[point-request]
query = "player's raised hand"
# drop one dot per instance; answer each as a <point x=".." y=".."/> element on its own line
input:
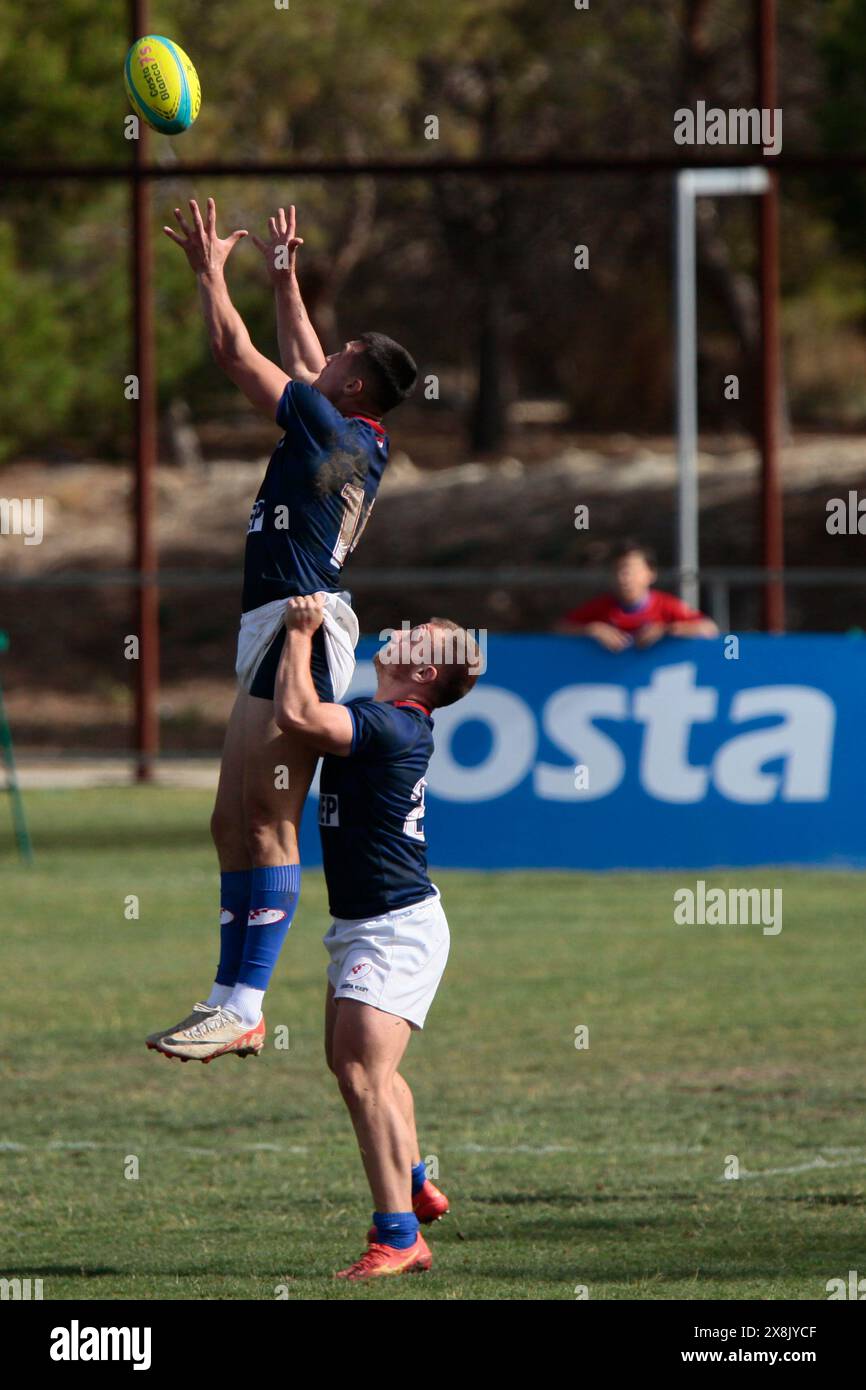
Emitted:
<point x="281" y="250"/>
<point x="205" y="251"/>
<point x="306" y="613"/>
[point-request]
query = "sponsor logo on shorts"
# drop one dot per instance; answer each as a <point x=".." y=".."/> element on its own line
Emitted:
<point x="356" y="974"/>
<point x="264" y="916"/>
<point x="257" y="515"/>
<point x="329" y="809"/>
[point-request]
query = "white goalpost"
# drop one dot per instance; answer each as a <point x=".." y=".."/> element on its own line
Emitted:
<point x="690" y="185"/>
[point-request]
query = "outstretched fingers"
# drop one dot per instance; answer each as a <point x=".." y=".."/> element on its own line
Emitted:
<point x="196" y="217"/>
<point x="184" y="225"/>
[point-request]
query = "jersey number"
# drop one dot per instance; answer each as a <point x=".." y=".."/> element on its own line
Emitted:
<point x="355" y="518"/>
<point x="413" y="825"/>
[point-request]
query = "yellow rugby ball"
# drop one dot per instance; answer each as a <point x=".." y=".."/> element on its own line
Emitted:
<point x="162" y="84"/>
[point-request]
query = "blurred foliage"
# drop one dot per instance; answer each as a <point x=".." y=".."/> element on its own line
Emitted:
<point x="842" y="117"/>
<point x="419" y="259"/>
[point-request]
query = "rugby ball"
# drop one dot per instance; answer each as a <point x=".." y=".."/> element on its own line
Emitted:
<point x="162" y="84"/>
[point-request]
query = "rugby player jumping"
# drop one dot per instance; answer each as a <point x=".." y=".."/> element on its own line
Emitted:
<point x="315" y="499"/>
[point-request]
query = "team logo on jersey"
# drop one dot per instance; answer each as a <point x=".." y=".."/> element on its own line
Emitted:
<point x="257" y="515"/>
<point x="358" y="971"/>
<point x="329" y="809"/>
<point x="226" y="917"/>
<point x="264" y="916"/>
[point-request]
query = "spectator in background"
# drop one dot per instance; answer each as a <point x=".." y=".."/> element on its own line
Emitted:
<point x="635" y="614"/>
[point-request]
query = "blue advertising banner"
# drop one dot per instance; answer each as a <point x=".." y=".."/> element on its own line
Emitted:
<point x="693" y="754"/>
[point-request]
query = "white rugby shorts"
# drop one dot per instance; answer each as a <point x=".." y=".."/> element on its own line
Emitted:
<point x="393" y="962"/>
<point x="260" y="626"/>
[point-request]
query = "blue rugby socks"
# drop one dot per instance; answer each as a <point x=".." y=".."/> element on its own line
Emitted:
<point x="396" y="1228"/>
<point x="235" y="886"/>
<point x="419" y="1177"/>
<point x="274" y="894"/>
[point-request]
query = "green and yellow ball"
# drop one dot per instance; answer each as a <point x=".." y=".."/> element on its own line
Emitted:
<point x="162" y="84"/>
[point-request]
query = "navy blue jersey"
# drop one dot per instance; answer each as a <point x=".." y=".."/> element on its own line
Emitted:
<point x="371" y="811"/>
<point x="315" y="499"/>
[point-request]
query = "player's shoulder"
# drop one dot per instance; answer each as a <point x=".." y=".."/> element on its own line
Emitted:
<point x="382" y="711"/>
<point x="387" y="727"/>
<point x="303" y="404"/>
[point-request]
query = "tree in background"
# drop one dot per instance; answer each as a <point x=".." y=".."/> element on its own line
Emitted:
<point x="477" y="276"/>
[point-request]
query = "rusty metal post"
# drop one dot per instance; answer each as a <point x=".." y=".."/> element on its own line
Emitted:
<point x="147" y="597"/>
<point x="770" y="428"/>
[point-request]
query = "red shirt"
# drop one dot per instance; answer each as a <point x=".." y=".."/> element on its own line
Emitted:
<point x="657" y="607"/>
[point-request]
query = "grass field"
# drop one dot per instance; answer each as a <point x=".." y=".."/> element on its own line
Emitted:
<point x="600" y="1167"/>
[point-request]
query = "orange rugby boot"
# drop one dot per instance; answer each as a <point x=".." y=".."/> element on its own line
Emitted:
<point x="429" y="1204"/>
<point x="383" y="1261"/>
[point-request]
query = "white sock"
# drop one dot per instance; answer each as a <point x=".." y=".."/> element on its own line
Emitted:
<point x="218" y="995"/>
<point x="246" y="1002"/>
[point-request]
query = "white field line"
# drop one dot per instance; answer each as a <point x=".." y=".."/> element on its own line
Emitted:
<point x="57" y="1145"/>
<point x="844" y="1157"/>
<point x="852" y="1161"/>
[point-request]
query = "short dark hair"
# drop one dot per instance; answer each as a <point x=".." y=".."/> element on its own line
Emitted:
<point x="392" y="371"/>
<point x="633" y="547"/>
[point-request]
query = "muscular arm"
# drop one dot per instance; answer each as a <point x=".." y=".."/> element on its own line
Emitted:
<point x="297" y="708"/>
<point x="261" y="380"/>
<point x="301" y="353"/>
<point x="300" y="350"/>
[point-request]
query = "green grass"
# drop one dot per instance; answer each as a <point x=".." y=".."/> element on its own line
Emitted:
<point x="565" y="1167"/>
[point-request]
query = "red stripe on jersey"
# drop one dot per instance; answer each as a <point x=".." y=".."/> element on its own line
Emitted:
<point x="414" y="704"/>
<point x="379" y="428"/>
